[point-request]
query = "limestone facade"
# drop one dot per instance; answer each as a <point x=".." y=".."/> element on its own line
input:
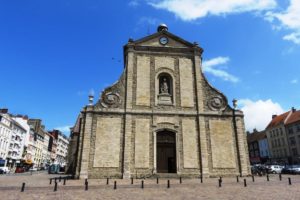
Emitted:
<point x="161" y="117"/>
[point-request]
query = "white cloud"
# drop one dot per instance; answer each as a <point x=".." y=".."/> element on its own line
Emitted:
<point x="288" y="19"/>
<point x="209" y="66"/>
<point x="259" y="113"/>
<point x="194" y="9"/>
<point x="294" y="81"/>
<point x="64" y="129"/>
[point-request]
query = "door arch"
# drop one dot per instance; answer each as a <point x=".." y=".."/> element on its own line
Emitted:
<point x="166" y="152"/>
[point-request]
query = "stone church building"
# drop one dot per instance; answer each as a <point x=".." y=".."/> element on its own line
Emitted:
<point x="161" y="118"/>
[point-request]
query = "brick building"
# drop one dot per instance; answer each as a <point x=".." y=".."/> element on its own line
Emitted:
<point x="161" y="117"/>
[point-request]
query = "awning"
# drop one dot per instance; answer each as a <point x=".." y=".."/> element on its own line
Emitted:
<point x="29" y="162"/>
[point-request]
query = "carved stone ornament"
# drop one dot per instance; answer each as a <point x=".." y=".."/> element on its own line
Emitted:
<point x="111" y="100"/>
<point x="216" y="103"/>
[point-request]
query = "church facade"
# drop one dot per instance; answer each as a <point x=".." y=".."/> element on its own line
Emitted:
<point x="161" y="117"/>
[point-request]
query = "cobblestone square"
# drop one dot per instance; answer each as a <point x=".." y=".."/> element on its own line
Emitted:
<point x="38" y="187"/>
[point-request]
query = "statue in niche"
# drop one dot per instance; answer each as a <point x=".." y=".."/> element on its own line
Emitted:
<point x="164" y="88"/>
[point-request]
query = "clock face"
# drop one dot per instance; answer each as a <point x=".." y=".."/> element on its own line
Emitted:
<point x="163" y="40"/>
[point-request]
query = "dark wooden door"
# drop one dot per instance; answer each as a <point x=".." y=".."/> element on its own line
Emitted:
<point x="166" y="152"/>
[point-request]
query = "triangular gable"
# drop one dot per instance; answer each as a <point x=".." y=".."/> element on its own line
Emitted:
<point x="153" y="40"/>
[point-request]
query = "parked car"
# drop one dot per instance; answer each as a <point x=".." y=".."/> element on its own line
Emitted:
<point x="276" y="169"/>
<point x="291" y="169"/>
<point x="2" y="171"/>
<point x="5" y="170"/>
<point x="20" y="170"/>
<point x="33" y="169"/>
<point x="258" y="170"/>
<point x="54" y="169"/>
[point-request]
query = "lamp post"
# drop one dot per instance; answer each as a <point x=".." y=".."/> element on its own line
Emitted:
<point x="234" y="103"/>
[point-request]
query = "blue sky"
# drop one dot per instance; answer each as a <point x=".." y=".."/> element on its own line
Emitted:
<point x="54" y="52"/>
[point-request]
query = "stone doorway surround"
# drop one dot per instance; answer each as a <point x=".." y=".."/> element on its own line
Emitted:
<point x="169" y="146"/>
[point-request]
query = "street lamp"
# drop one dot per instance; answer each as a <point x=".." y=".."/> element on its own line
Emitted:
<point x="234" y="103"/>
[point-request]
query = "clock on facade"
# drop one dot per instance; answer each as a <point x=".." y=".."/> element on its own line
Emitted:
<point x="163" y="40"/>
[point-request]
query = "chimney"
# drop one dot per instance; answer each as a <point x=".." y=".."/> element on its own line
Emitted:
<point x="4" y="110"/>
<point x="293" y="110"/>
<point x="273" y="116"/>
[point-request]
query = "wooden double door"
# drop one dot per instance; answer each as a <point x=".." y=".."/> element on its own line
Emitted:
<point x="166" y="152"/>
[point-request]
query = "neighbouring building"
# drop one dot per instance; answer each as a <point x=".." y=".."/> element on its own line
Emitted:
<point x="258" y="147"/>
<point x="283" y="137"/>
<point x="293" y="135"/>
<point x="161" y="117"/>
<point x="62" y="144"/>
<point x="16" y="146"/>
<point x="5" y="136"/>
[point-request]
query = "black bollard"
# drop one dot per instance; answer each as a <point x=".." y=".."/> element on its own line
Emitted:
<point x="86" y="186"/>
<point x="220" y="182"/>
<point x="201" y="179"/>
<point x="23" y="187"/>
<point x="115" y="185"/>
<point x="55" y="186"/>
<point x="169" y="184"/>
<point x="55" y="179"/>
<point x="290" y="181"/>
<point x="107" y="181"/>
<point x="142" y="185"/>
<point x="65" y="181"/>
<point x="180" y="180"/>
<point x="131" y="181"/>
<point x="60" y="179"/>
<point x="237" y="179"/>
<point x="50" y="181"/>
<point x="253" y="180"/>
<point x="245" y="183"/>
<point x="268" y="178"/>
<point x="280" y="177"/>
<point x="221" y="179"/>
<point x="157" y="180"/>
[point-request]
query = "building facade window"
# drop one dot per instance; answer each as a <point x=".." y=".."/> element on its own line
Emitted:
<point x="292" y="141"/>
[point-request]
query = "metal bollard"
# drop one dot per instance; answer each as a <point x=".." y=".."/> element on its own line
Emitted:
<point x="55" y="186"/>
<point x="55" y="179"/>
<point x="220" y="183"/>
<point x="157" y="180"/>
<point x="107" y="181"/>
<point x="50" y="181"/>
<point x="60" y="179"/>
<point x="86" y="186"/>
<point x="280" y="177"/>
<point x="290" y="181"/>
<point x="169" y="184"/>
<point x="180" y="180"/>
<point x="131" y="181"/>
<point x="142" y="185"/>
<point x="85" y="181"/>
<point x="201" y="179"/>
<point x="221" y="179"/>
<point x="245" y="183"/>
<point x="237" y="179"/>
<point x="268" y="178"/>
<point x="23" y="187"/>
<point x="115" y="185"/>
<point x="253" y="179"/>
<point x="65" y="181"/>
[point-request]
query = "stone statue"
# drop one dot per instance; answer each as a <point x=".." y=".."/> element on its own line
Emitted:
<point x="164" y="88"/>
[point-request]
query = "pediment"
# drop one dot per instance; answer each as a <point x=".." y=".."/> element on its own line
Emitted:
<point x="154" y="40"/>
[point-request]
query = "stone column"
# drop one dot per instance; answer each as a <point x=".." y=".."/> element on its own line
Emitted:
<point x="127" y="134"/>
<point x="244" y="156"/>
<point x="86" y="144"/>
<point x="127" y="147"/>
